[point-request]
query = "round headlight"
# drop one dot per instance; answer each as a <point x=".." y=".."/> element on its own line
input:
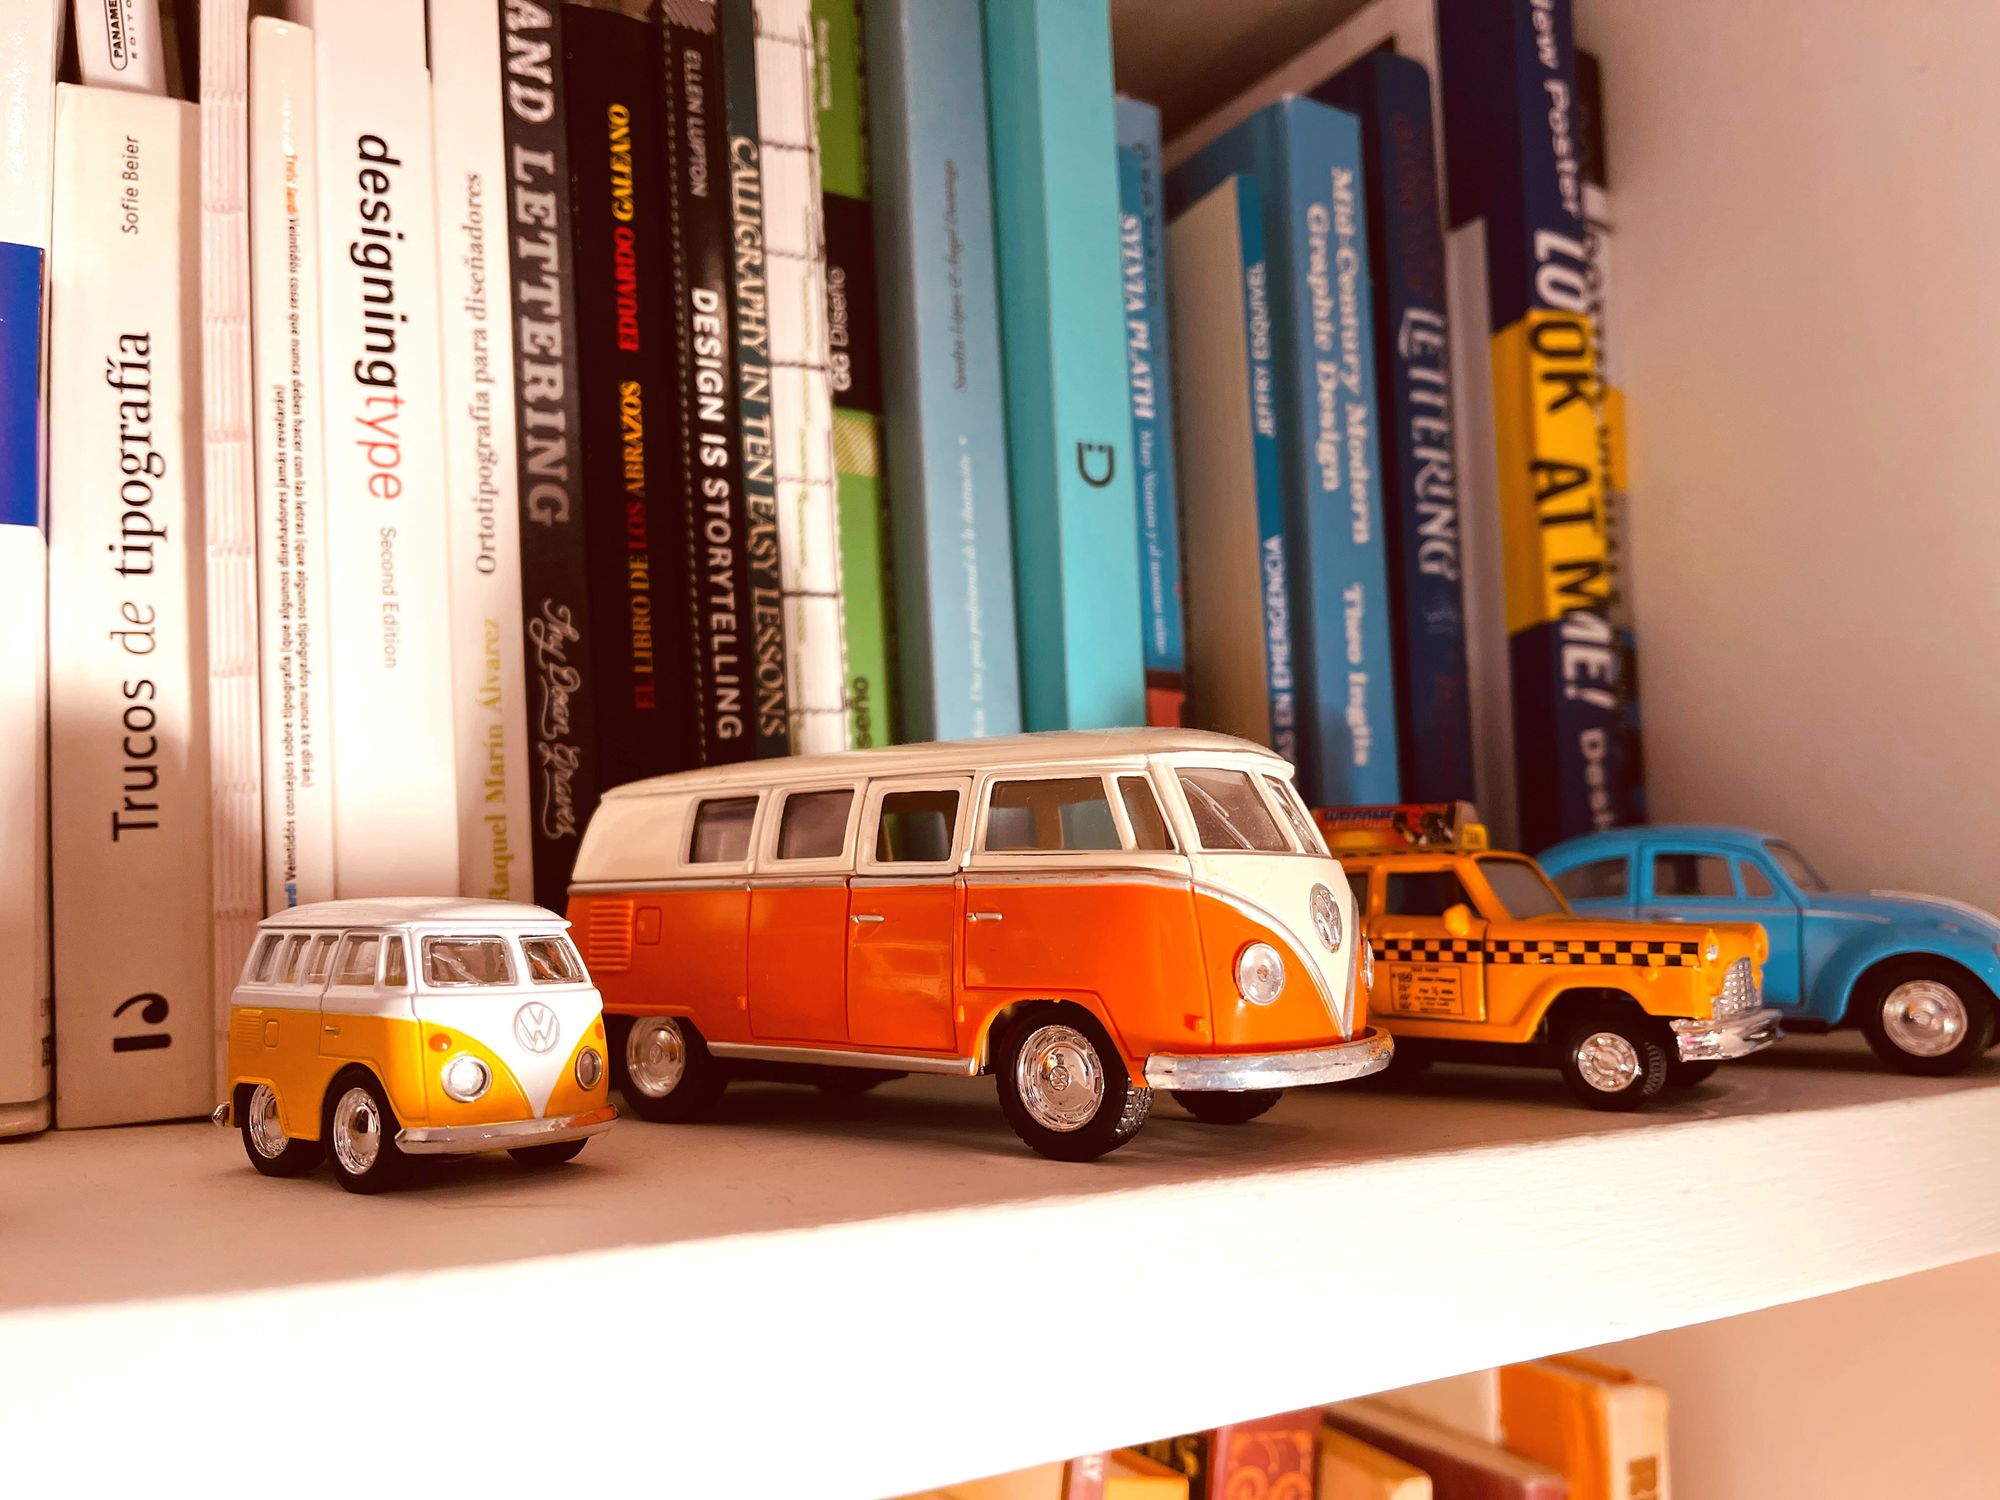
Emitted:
<point x="589" y="1067"/>
<point x="1326" y="917"/>
<point x="466" y="1078"/>
<point x="1367" y="965"/>
<point x="1711" y="950"/>
<point x="1260" y="973"/>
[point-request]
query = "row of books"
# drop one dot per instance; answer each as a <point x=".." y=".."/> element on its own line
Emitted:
<point x="1567" y="1428"/>
<point x="483" y="404"/>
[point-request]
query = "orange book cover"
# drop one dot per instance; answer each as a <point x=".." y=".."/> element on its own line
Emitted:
<point x="1601" y="1427"/>
<point x="1350" y="1469"/>
<point x="1275" y="1458"/>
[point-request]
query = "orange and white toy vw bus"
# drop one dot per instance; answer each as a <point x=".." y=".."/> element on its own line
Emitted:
<point x="374" y="1031"/>
<point x="1087" y="916"/>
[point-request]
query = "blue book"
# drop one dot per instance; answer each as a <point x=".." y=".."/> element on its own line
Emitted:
<point x="20" y="385"/>
<point x="1239" y="641"/>
<point x="1391" y="96"/>
<point x="1142" y="262"/>
<point x="944" y="405"/>
<point x="1069" y="411"/>
<point x="1307" y="160"/>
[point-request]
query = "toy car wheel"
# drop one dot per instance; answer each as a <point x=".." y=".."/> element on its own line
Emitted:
<point x="1063" y="1086"/>
<point x="270" y="1150"/>
<point x="1226" y="1107"/>
<point x="1926" y="1018"/>
<point x="1685" y="1075"/>
<point x="1613" y="1061"/>
<point x="554" y="1154"/>
<point x="665" y="1071"/>
<point x="361" y="1135"/>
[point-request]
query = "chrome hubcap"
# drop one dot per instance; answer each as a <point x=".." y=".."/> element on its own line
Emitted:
<point x="1607" y="1061"/>
<point x="266" y="1134"/>
<point x="1924" y="1018"/>
<point x="357" y="1131"/>
<point x="656" y="1056"/>
<point x="1060" y="1078"/>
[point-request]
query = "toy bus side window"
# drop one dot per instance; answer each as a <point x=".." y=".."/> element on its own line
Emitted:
<point x="1142" y="810"/>
<point x="289" y="966"/>
<point x="722" y="831"/>
<point x="264" y="961"/>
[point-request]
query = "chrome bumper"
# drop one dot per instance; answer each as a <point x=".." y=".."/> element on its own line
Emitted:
<point x="506" y="1134"/>
<point x="1737" y="1036"/>
<point x="1367" y="1053"/>
<point x="220" y="1114"/>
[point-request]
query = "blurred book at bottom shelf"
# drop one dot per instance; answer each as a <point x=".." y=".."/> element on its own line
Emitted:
<point x="1564" y="1428"/>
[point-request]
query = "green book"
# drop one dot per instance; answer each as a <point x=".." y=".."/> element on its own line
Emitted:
<point x="853" y="337"/>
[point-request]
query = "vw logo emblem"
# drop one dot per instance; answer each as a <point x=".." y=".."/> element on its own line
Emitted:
<point x="1326" y="917"/>
<point x="536" y="1027"/>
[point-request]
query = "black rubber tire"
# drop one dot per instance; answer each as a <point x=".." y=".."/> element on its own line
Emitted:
<point x="1875" y="989"/>
<point x="554" y="1154"/>
<point x="1685" y="1075"/>
<point x="1120" y="1113"/>
<point x="1231" y="1107"/>
<point x="702" y="1080"/>
<point x="1642" y="1032"/>
<point x="391" y="1168"/>
<point x="298" y="1158"/>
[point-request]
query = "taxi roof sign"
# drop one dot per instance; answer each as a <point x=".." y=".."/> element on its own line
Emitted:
<point x="1403" y="825"/>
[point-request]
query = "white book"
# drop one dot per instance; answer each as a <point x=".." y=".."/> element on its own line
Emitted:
<point x="119" y="44"/>
<point x="489" y="692"/>
<point x="128" y="710"/>
<point x="1224" y="406"/>
<point x="30" y="52"/>
<point x="801" y="378"/>
<point x="395" y="776"/>
<point x="290" y="469"/>
<point x="230" y="498"/>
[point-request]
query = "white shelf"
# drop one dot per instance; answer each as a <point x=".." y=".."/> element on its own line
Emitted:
<point x="865" y="1297"/>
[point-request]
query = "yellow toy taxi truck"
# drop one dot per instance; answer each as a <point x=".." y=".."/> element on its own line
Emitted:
<point x="373" y="1031"/>
<point x="1479" y="958"/>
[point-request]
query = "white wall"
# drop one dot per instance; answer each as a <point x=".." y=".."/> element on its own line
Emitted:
<point x="1887" y="1390"/>
<point x="1808" y="319"/>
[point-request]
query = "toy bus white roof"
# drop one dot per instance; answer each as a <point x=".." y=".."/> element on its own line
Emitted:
<point x="391" y="911"/>
<point x="1048" y="747"/>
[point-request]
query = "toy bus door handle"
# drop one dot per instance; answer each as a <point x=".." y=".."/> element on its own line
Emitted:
<point x="331" y="1030"/>
<point x="982" y="916"/>
<point x="866" y="916"/>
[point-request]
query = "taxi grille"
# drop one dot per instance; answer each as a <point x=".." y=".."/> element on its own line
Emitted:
<point x="1739" y="990"/>
<point x="607" y="936"/>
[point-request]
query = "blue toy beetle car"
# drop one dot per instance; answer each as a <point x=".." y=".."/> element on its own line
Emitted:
<point x="1918" y="974"/>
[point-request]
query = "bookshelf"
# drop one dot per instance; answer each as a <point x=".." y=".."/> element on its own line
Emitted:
<point x="922" y="1301"/>
<point x="863" y="1297"/>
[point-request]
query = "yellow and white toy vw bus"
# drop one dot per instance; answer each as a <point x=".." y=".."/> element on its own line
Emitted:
<point x="374" y="1031"/>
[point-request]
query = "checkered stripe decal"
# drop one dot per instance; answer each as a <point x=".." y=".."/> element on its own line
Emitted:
<point x="1440" y="950"/>
<point x="1609" y="952"/>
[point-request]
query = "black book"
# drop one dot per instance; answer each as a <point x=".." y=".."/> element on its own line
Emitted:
<point x="714" y="517"/>
<point x="562" y="732"/>
<point x="643" y="650"/>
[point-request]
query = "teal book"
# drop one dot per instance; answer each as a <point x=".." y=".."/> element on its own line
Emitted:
<point x="1306" y="157"/>
<point x="943" y="404"/>
<point x="1069" y="408"/>
<point x="1142" y="265"/>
